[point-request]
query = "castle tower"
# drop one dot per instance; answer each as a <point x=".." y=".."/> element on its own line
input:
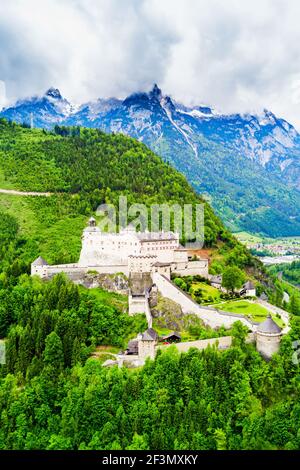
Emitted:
<point x="147" y="342"/>
<point x="39" y="267"/>
<point x="268" y="337"/>
<point x="92" y="222"/>
<point x="89" y="255"/>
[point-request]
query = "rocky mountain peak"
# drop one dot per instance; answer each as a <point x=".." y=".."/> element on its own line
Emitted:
<point x="156" y="92"/>
<point x="54" y="93"/>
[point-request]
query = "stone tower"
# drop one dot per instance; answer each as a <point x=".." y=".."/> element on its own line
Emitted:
<point x="39" y="267"/>
<point x="89" y="255"/>
<point x="268" y="337"/>
<point x="92" y="222"/>
<point x="147" y="342"/>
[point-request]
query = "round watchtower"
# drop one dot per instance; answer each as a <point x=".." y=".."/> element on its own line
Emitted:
<point x="268" y="337"/>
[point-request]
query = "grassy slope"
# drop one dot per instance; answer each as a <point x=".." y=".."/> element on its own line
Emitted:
<point x="48" y="232"/>
<point x="256" y="312"/>
<point x="208" y="291"/>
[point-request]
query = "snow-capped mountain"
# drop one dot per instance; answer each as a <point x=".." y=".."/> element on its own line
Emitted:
<point x="43" y="111"/>
<point x="247" y="165"/>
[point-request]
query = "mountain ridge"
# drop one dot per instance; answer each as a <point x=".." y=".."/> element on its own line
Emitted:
<point x="247" y="165"/>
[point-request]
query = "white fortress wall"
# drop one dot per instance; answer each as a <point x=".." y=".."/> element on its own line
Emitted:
<point x="119" y="246"/>
<point x="141" y="263"/>
<point x="224" y="342"/>
<point x="98" y="246"/>
<point x="40" y="271"/>
<point x="136" y="304"/>
<point x="208" y="315"/>
<point x="109" y="269"/>
<point x="162" y="248"/>
<point x="192" y="268"/>
<point x="148" y="312"/>
<point x="76" y="269"/>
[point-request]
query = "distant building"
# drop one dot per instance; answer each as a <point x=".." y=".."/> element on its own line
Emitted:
<point x="143" y="346"/>
<point x="172" y="337"/>
<point x="39" y="267"/>
<point x="132" y="347"/>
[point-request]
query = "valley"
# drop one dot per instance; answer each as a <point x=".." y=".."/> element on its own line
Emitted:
<point x="272" y="251"/>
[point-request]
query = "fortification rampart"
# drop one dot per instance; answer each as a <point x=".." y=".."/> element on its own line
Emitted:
<point x="210" y="316"/>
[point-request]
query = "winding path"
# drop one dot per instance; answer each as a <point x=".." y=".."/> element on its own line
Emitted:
<point x="23" y="193"/>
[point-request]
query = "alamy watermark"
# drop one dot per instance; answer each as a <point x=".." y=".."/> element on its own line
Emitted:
<point x="186" y="220"/>
<point x="2" y="352"/>
<point x="296" y="355"/>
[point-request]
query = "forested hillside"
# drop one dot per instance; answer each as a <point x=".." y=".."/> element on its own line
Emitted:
<point x="290" y="272"/>
<point x="197" y="400"/>
<point x="52" y="394"/>
<point x="85" y="168"/>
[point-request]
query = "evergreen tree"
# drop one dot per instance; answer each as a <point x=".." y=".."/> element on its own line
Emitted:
<point x="53" y="355"/>
<point x="294" y="306"/>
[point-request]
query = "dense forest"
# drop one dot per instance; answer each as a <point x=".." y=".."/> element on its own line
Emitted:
<point x="53" y="395"/>
<point x="290" y="272"/>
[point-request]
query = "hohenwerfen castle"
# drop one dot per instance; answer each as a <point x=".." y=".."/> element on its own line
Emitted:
<point x="127" y="252"/>
<point x="158" y="255"/>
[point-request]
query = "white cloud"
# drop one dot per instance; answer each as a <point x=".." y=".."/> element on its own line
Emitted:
<point x="2" y="94"/>
<point x="236" y="55"/>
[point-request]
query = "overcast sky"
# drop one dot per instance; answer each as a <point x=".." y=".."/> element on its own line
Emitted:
<point x="237" y="55"/>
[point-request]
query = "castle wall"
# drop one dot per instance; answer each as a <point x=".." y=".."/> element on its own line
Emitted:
<point x="163" y="270"/>
<point x="223" y="342"/>
<point x="208" y="315"/>
<point x="180" y="256"/>
<point x="40" y="271"/>
<point x="98" y="247"/>
<point x="136" y="304"/>
<point x="163" y="249"/>
<point x="109" y="269"/>
<point x="75" y="271"/>
<point x="101" y="248"/>
<point x="191" y="268"/>
<point x="141" y="264"/>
